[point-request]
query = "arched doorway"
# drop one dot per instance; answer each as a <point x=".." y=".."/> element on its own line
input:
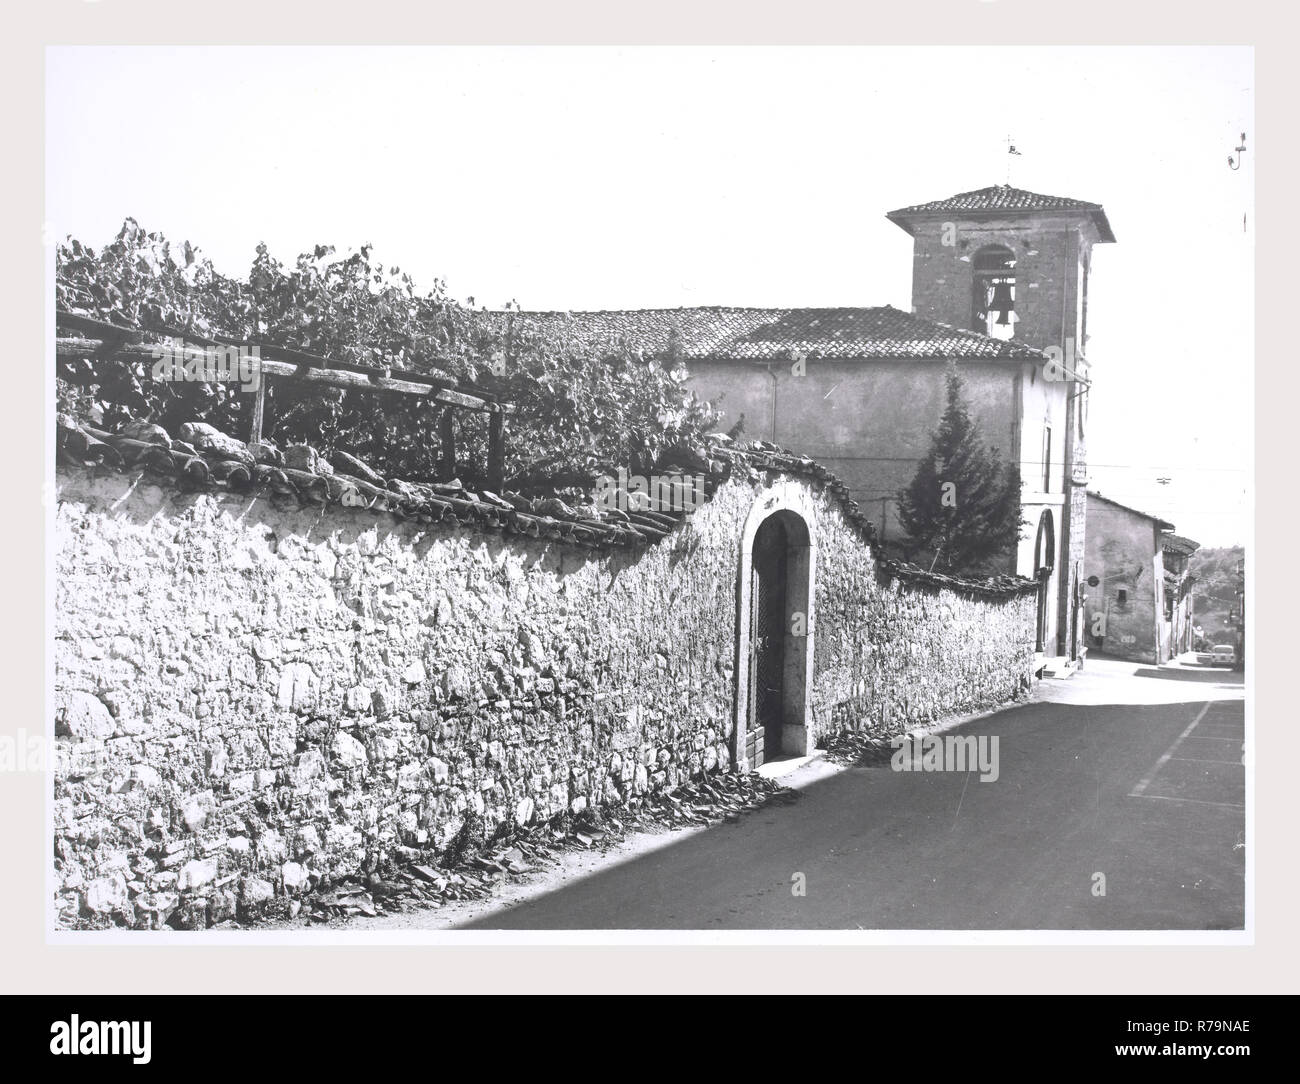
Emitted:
<point x="775" y="634"/>
<point x="1044" y="561"/>
<point x="770" y="610"/>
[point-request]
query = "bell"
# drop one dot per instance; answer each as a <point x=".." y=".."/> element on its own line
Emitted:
<point x="1002" y="303"/>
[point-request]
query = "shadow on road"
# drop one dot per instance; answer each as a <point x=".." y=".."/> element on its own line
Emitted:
<point x="1227" y="678"/>
<point x="941" y="850"/>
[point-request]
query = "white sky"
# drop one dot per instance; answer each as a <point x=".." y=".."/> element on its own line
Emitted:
<point x="638" y="177"/>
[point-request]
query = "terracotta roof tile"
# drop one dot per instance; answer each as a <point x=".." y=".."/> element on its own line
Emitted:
<point x="226" y="463"/>
<point x="1177" y="543"/>
<point x="1003" y="199"/>
<point x="760" y="334"/>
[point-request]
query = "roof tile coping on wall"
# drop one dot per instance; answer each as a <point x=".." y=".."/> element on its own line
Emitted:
<point x="201" y="457"/>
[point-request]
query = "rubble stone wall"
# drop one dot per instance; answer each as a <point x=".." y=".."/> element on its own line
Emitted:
<point x="267" y="697"/>
<point x="889" y="655"/>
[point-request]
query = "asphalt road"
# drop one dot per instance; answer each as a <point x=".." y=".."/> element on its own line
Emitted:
<point x="1149" y="795"/>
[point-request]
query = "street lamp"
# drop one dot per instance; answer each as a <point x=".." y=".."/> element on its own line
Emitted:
<point x="1240" y="151"/>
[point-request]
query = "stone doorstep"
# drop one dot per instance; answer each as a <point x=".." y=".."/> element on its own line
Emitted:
<point x="775" y="769"/>
<point x="1060" y="667"/>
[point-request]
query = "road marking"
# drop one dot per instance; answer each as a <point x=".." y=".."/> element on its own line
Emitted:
<point x="1136" y="792"/>
<point x="1204" y="760"/>
<point x="961" y="799"/>
<point x="1193" y="801"/>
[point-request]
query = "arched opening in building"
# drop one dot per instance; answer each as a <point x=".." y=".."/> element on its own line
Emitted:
<point x="1077" y="599"/>
<point x="993" y="306"/>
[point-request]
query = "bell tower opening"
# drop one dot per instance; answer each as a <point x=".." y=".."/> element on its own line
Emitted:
<point x="993" y="301"/>
<point x="1005" y="262"/>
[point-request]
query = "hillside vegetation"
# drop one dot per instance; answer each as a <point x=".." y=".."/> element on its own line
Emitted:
<point x="1215" y="591"/>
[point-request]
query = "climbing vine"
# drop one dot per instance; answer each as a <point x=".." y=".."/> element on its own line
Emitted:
<point x="580" y="410"/>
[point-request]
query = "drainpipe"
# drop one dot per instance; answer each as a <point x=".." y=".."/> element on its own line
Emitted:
<point x="772" y="373"/>
<point x="1063" y="601"/>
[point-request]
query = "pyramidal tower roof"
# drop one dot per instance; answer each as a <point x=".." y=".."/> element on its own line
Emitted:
<point x="1002" y="199"/>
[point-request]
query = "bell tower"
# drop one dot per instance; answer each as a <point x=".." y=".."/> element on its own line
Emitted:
<point x="1014" y="265"/>
<point x="1006" y="262"/>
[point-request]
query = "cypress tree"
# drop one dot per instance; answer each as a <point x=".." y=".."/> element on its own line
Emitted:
<point x="962" y="508"/>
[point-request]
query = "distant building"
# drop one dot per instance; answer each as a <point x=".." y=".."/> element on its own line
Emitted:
<point x="1176" y="629"/>
<point x="1137" y="602"/>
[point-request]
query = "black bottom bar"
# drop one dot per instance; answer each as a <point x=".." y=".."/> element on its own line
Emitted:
<point x="306" y="1034"/>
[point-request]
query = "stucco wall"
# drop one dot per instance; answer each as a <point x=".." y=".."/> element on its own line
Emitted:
<point x="1123" y="553"/>
<point x="1176" y="634"/>
<point x="868" y="421"/>
<point x="286" y="694"/>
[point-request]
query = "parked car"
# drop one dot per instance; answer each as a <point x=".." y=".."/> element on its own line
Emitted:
<point x="1219" y="655"/>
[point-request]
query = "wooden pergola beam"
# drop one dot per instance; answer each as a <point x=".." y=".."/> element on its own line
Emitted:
<point x="447" y="438"/>
<point x="257" y="412"/>
<point x="496" y="451"/>
<point x="100" y="339"/>
<point x="354" y="377"/>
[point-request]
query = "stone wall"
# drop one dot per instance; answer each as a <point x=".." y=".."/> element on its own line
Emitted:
<point x="889" y="655"/>
<point x="281" y="695"/>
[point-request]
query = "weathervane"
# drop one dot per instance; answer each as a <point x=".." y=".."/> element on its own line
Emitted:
<point x="1012" y="152"/>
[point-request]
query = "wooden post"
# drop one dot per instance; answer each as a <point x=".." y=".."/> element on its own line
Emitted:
<point x="496" y="450"/>
<point x="257" y="409"/>
<point x="447" y="435"/>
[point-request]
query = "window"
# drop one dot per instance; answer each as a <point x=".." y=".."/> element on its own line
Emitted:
<point x="993" y="305"/>
<point x="1045" y="544"/>
<point x="1047" y="459"/>
<point x="1123" y="597"/>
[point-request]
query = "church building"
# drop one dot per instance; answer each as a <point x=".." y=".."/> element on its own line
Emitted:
<point x="1000" y="287"/>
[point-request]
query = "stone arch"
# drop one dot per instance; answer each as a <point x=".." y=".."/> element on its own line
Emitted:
<point x="785" y="510"/>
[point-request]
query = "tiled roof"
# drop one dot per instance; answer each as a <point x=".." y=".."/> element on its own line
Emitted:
<point x="753" y="334"/>
<point x="1003" y="199"/>
<point x="1163" y="524"/>
<point x="200" y="457"/>
<point x="1178" y="544"/>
